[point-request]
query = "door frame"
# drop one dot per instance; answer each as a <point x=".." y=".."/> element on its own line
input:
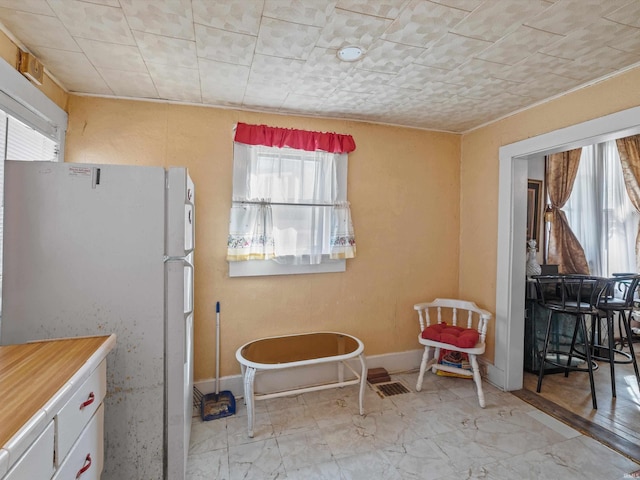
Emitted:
<point x="507" y="370"/>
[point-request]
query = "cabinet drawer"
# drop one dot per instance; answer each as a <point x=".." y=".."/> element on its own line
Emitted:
<point x="73" y="417"/>
<point x="37" y="461"/>
<point x="85" y="460"/>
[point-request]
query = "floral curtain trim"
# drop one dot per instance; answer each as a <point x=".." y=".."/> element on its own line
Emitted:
<point x="292" y="138"/>
<point x="343" y="239"/>
<point x="250" y="233"/>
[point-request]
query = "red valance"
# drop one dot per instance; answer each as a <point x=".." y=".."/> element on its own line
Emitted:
<point x="292" y="138"/>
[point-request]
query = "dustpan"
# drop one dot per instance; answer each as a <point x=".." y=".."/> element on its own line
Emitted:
<point x="218" y="404"/>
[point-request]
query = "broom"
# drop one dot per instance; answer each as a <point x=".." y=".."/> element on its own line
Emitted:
<point x="219" y="404"/>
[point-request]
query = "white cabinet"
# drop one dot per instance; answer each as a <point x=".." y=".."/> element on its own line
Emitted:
<point x="85" y="460"/>
<point x="60" y="435"/>
<point x="37" y="461"/>
<point x="77" y="412"/>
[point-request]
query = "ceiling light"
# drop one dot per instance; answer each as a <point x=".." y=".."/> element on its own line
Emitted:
<point x="350" y="53"/>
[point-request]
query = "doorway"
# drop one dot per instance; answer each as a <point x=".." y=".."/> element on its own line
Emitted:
<point x="507" y="371"/>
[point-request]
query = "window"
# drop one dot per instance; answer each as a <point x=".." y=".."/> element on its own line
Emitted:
<point x="21" y="142"/>
<point x="600" y="213"/>
<point x="289" y="211"/>
<point x="32" y="127"/>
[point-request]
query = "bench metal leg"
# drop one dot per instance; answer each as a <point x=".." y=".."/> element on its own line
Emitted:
<point x="249" y="377"/>
<point x="363" y="381"/>
<point x="242" y="371"/>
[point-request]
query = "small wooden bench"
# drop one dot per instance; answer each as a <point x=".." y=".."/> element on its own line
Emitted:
<point x="288" y="351"/>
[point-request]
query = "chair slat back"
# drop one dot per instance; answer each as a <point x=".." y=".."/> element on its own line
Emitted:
<point x="620" y="292"/>
<point x="450" y="307"/>
<point x="570" y="293"/>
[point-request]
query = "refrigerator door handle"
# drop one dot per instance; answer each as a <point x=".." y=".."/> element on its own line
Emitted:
<point x="95" y="177"/>
<point x="189" y="227"/>
<point x="188" y="304"/>
<point x="180" y="213"/>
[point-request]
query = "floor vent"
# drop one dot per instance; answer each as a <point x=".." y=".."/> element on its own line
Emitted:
<point x="391" y="388"/>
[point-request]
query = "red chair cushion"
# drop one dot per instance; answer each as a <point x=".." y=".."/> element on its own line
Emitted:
<point x="458" y="336"/>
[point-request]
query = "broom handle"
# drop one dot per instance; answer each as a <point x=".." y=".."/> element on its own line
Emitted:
<point x="217" y="348"/>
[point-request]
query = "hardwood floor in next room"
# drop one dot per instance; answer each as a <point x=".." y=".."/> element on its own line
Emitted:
<point x="614" y="423"/>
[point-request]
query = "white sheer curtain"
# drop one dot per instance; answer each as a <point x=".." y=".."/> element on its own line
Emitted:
<point x="600" y="213"/>
<point x="289" y="205"/>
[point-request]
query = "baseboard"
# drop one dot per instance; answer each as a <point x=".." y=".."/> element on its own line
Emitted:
<point x="494" y="375"/>
<point x="278" y="380"/>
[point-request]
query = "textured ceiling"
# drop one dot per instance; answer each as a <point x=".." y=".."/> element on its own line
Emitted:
<point x="443" y="64"/>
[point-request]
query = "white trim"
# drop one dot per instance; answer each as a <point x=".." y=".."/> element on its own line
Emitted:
<point x="256" y="268"/>
<point x="28" y="104"/>
<point x="507" y="371"/>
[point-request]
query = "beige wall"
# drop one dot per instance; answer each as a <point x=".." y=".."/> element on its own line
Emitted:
<point x="403" y="189"/>
<point x="479" y="173"/>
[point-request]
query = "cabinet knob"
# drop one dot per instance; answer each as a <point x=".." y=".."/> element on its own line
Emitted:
<point x="87" y="465"/>
<point x="90" y="399"/>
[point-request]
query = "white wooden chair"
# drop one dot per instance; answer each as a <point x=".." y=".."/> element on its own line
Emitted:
<point x="445" y="333"/>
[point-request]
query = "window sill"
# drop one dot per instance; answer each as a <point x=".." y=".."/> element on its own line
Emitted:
<point x="255" y="268"/>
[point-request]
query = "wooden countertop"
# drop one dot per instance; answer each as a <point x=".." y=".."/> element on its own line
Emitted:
<point x="31" y="373"/>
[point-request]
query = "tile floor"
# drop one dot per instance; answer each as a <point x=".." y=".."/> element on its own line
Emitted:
<point x="438" y="433"/>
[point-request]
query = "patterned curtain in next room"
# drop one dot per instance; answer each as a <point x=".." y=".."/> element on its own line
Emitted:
<point x="564" y="248"/>
<point x="629" y="150"/>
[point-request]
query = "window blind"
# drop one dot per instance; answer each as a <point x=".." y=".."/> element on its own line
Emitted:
<point x="25" y="143"/>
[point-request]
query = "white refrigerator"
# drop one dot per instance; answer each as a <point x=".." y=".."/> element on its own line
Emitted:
<point x="99" y="249"/>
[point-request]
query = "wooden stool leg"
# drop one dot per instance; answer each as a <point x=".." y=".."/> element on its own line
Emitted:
<point x="477" y="378"/>
<point x="423" y="368"/>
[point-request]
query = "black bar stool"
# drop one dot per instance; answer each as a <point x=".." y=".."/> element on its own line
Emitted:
<point x="574" y="297"/>
<point x="616" y="298"/>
